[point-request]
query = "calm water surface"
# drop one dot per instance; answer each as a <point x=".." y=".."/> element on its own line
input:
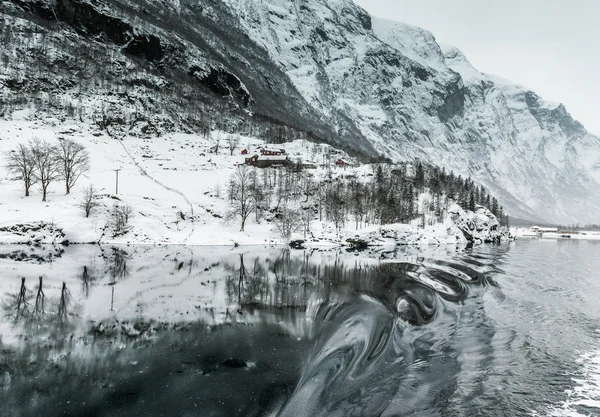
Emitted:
<point x="490" y="331"/>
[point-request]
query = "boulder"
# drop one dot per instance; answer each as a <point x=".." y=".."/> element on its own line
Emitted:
<point x="477" y="227"/>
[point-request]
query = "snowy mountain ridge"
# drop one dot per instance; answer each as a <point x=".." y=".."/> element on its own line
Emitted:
<point x="326" y="68"/>
<point x="413" y="97"/>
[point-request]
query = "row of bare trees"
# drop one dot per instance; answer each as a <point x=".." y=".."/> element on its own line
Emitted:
<point x="292" y="197"/>
<point x="40" y="162"/>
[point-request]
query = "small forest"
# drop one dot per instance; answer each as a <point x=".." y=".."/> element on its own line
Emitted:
<point x="294" y="196"/>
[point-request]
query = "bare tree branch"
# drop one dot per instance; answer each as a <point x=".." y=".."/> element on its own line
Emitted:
<point x="241" y="193"/>
<point x="88" y="201"/>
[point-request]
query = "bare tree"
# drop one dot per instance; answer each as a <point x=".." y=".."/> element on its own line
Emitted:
<point x="46" y="167"/>
<point x="306" y="220"/>
<point x="307" y="186"/>
<point x="20" y="164"/>
<point x="217" y="141"/>
<point x="40" y="299"/>
<point x="22" y="303"/>
<point x="232" y="142"/>
<point x="88" y="201"/>
<point x="119" y="219"/>
<point x="63" y="304"/>
<point x="117" y="265"/>
<point x="73" y="160"/>
<point x="288" y="222"/>
<point x="241" y="193"/>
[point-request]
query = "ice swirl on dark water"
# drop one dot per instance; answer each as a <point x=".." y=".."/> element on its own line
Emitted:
<point x="327" y="334"/>
<point x="370" y="354"/>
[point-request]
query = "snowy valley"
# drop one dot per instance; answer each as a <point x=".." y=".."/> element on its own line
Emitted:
<point x="311" y="70"/>
<point x="280" y="209"/>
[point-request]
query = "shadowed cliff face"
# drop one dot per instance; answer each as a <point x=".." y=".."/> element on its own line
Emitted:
<point x="326" y="68"/>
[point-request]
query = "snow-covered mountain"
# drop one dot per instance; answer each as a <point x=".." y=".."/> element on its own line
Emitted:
<point x="323" y="67"/>
<point x="412" y="97"/>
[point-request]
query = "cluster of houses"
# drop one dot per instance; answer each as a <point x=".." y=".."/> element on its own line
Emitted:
<point x="272" y="156"/>
<point x="556" y="233"/>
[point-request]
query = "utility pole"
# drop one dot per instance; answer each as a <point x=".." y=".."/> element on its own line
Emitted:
<point x="112" y="295"/>
<point x="117" y="181"/>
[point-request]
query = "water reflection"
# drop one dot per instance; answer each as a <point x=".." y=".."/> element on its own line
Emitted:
<point x="116" y="263"/>
<point x="219" y="332"/>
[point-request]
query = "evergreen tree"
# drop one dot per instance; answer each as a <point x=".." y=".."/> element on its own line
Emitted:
<point x="494" y="208"/>
<point x="472" y="200"/>
<point x="420" y="177"/>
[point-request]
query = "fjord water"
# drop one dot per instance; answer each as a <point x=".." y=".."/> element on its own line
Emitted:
<point x="507" y="330"/>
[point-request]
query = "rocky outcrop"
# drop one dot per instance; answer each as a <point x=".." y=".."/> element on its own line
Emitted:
<point x="90" y="21"/>
<point x="480" y="226"/>
<point x="34" y="234"/>
<point x="222" y="83"/>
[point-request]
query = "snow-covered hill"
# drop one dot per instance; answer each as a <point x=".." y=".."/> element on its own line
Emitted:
<point x="177" y="187"/>
<point x="325" y="68"/>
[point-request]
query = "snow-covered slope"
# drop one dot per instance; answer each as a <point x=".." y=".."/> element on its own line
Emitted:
<point x="177" y="189"/>
<point x="538" y="153"/>
<point x="324" y="67"/>
<point x="412" y="97"/>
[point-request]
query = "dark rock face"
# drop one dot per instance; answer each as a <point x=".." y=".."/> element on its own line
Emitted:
<point x="84" y="18"/>
<point x="222" y="83"/>
<point x="87" y="20"/>
<point x="547" y="117"/>
<point x="570" y="126"/>
<point x="421" y="73"/>
<point x="454" y="102"/>
<point x="145" y="46"/>
<point x="40" y="8"/>
<point x="365" y="21"/>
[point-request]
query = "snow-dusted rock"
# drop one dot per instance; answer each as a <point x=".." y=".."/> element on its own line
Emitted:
<point x="35" y="233"/>
<point x="477" y="227"/>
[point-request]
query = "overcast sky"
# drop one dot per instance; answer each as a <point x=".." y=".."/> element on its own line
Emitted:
<point x="550" y="46"/>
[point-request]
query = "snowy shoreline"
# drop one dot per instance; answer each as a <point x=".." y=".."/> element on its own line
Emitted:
<point x="175" y="186"/>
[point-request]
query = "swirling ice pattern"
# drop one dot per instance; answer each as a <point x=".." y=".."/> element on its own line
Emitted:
<point x="374" y="340"/>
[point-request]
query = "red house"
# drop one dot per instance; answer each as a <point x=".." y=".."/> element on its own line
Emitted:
<point x="266" y="151"/>
<point x="265" y="161"/>
<point x="244" y="151"/>
<point x="341" y="162"/>
<point x="252" y="161"/>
